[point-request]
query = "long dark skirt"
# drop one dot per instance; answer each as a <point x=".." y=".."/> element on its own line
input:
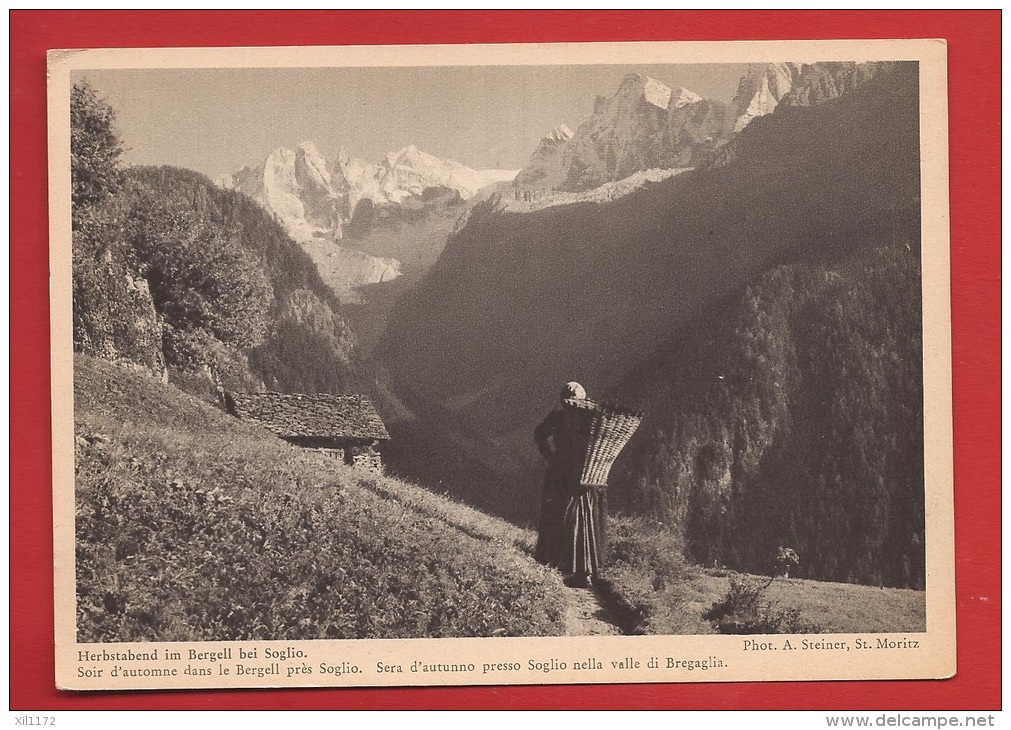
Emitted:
<point x="584" y="550"/>
<point x="549" y="528"/>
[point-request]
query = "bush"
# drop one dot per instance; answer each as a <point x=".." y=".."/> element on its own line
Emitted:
<point x="785" y="559"/>
<point x="646" y="578"/>
<point x="200" y="275"/>
<point x="745" y="610"/>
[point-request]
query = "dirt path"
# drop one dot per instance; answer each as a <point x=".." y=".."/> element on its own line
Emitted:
<point x="588" y="613"/>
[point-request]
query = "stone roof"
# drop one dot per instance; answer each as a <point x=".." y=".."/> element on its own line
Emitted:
<point x="311" y="416"/>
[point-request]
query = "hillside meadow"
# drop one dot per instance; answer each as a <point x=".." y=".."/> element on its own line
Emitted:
<point x="194" y="526"/>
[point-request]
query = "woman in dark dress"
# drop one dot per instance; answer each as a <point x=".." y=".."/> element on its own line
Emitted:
<point x="571" y="531"/>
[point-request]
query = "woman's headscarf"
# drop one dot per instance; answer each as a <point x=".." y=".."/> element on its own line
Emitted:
<point x="573" y="389"/>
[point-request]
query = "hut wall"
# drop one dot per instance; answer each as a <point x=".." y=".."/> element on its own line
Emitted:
<point x="368" y="460"/>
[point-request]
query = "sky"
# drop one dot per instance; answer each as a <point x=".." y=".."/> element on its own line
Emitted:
<point x="217" y="121"/>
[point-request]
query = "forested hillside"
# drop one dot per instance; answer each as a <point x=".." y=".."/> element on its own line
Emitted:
<point x="191" y="282"/>
<point x="793" y="418"/>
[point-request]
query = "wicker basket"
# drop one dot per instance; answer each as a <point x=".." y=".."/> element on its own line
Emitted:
<point x="599" y="433"/>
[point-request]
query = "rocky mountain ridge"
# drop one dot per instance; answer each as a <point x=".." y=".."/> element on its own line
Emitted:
<point x="798" y="84"/>
<point x="646" y="125"/>
<point x="319" y="201"/>
<point x="760" y="91"/>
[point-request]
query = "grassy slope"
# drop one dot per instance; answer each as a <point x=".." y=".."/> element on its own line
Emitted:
<point x="834" y="607"/>
<point x="657" y="593"/>
<point x="660" y="594"/>
<point x="194" y="526"/>
<point x="847" y="608"/>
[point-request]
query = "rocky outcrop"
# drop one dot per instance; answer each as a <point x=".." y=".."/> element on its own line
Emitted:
<point x="321" y="203"/>
<point x="770" y="85"/>
<point x="760" y="91"/>
<point x="820" y="82"/>
<point x="114" y="315"/>
<point x="546" y="162"/>
<point x="645" y="125"/>
<point x="297" y="188"/>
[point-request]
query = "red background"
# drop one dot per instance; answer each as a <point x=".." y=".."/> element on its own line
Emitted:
<point x="974" y="82"/>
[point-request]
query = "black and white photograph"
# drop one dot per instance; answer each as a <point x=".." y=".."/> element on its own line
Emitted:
<point x="578" y="363"/>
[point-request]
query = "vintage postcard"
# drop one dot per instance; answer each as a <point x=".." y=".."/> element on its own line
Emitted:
<point x="516" y="364"/>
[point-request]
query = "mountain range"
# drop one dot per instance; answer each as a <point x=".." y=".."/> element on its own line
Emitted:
<point x="647" y="125"/>
<point x="321" y="201"/>
<point x="329" y="206"/>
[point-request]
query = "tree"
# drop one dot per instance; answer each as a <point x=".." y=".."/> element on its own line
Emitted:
<point x="200" y="275"/>
<point x="114" y="316"/>
<point x="95" y="150"/>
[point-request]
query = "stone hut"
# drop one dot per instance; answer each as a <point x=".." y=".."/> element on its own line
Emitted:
<point x="344" y="426"/>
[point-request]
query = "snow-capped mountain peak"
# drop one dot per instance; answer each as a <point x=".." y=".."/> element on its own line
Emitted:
<point x="760" y="91"/>
<point x="313" y="163"/>
<point x="639" y="87"/>
<point x="314" y="198"/>
<point x="561" y="133"/>
<point x="644" y="125"/>
<point x="683" y="97"/>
